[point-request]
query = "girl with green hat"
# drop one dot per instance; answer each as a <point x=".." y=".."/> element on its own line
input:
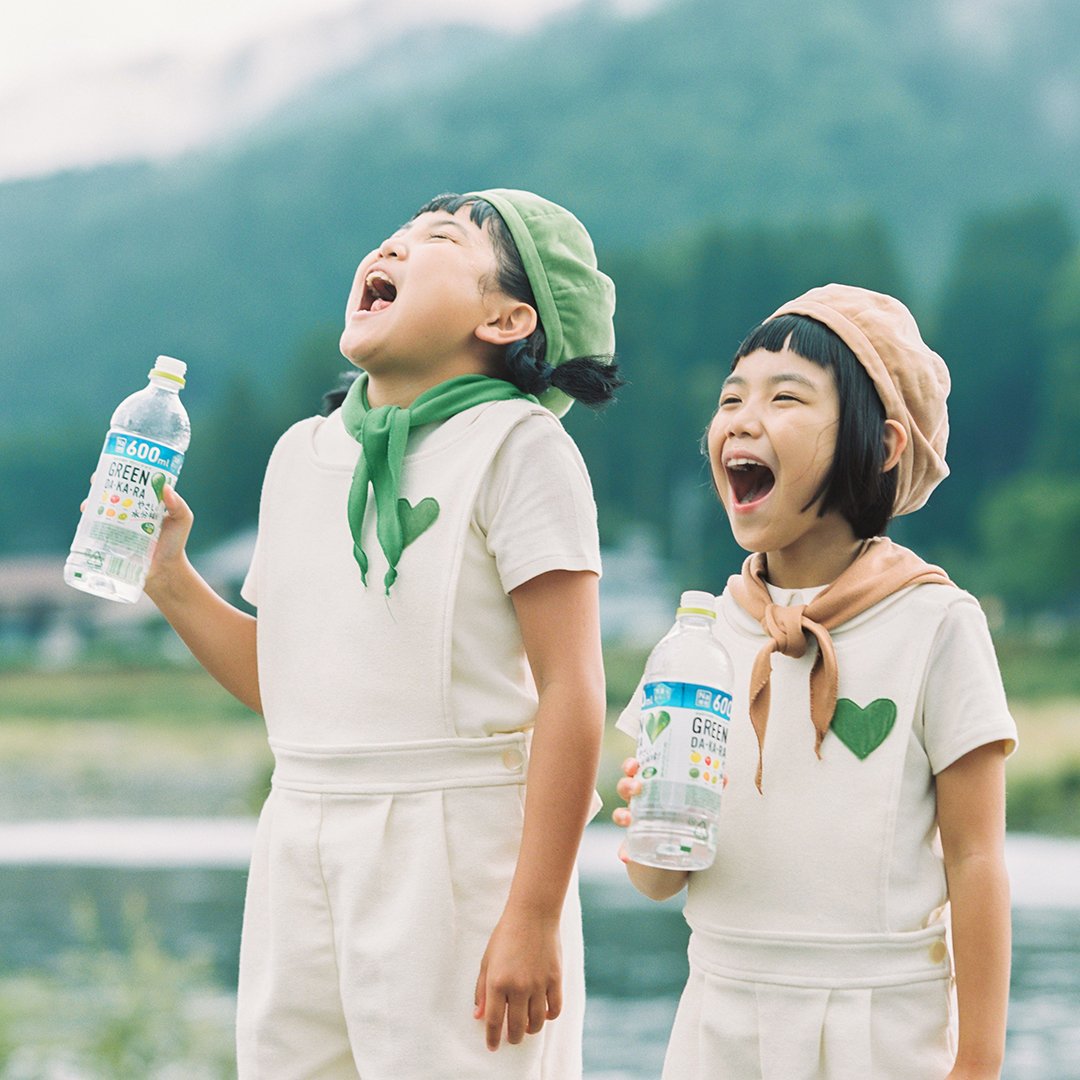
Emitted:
<point x="425" y="576"/>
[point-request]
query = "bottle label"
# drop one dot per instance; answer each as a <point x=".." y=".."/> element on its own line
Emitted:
<point x="683" y="738"/>
<point x="124" y="510"/>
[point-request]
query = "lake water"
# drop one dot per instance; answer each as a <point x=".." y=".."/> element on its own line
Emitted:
<point x="191" y="876"/>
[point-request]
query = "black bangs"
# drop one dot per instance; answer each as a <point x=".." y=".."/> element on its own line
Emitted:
<point x="855" y="485"/>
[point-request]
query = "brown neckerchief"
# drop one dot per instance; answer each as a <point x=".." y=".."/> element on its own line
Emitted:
<point x="880" y="569"/>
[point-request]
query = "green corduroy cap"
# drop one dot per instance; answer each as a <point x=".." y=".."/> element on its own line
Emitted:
<point x="574" y="299"/>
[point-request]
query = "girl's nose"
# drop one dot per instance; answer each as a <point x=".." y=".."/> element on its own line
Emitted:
<point x="742" y="421"/>
<point x="393" y="248"/>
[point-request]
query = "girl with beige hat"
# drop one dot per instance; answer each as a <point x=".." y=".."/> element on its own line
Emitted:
<point x="855" y="922"/>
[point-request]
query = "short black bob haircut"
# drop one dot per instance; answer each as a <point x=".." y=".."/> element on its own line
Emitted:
<point x="855" y="484"/>
<point x="592" y="380"/>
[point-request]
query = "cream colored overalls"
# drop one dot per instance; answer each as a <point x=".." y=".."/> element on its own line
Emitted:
<point x="818" y="947"/>
<point x="385" y="850"/>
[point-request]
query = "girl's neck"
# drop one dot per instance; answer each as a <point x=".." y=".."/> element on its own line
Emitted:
<point x="403" y="387"/>
<point x="401" y="391"/>
<point x="807" y="569"/>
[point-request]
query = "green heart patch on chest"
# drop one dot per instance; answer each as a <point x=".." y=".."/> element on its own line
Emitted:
<point x="861" y="730"/>
<point x="417" y="519"/>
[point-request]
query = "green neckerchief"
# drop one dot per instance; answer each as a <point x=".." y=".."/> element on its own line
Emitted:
<point x="383" y="434"/>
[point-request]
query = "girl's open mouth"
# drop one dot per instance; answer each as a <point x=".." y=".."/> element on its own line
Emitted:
<point x="750" y="481"/>
<point x="379" y="292"/>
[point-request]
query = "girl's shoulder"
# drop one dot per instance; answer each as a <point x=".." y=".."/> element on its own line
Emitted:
<point x="535" y="446"/>
<point x="933" y="600"/>
<point x="300" y="438"/>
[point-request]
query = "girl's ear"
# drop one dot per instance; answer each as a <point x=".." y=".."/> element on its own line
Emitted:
<point x="896" y="441"/>
<point x="511" y="321"/>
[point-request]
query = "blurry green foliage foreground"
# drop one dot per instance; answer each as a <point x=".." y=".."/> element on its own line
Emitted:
<point x="103" y="1013"/>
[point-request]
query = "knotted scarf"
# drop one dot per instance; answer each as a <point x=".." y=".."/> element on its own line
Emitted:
<point x="880" y="569"/>
<point x="383" y="435"/>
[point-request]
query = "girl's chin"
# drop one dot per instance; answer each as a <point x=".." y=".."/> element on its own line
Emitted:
<point x="351" y="349"/>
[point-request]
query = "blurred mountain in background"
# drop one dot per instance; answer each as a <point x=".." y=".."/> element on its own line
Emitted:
<point x="697" y="113"/>
<point x="720" y="157"/>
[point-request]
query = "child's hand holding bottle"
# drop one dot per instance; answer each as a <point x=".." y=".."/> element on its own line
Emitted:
<point x="170" y="556"/>
<point x="652" y="881"/>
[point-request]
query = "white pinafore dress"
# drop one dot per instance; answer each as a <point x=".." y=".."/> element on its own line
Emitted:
<point x="386" y="847"/>
<point x="818" y="947"/>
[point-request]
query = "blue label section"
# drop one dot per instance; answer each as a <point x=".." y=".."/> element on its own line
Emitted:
<point x="694" y="696"/>
<point x="144" y="452"/>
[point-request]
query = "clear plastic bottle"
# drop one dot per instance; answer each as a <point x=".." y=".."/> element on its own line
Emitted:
<point x="685" y="715"/>
<point x="143" y="451"/>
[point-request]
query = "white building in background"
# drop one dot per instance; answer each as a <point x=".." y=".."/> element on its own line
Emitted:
<point x="46" y="622"/>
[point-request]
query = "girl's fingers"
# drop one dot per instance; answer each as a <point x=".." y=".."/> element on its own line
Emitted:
<point x="537" y="1014"/>
<point x="630" y="766"/>
<point x="621" y="817"/>
<point x="175" y="505"/>
<point x="554" y="1000"/>
<point x="494" y="1014"/>
<point x="628" y="787"/>
<point x="479" y="994"/>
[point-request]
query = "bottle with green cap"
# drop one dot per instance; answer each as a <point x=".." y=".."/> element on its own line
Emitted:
<point x="685" y="715"/>
<point x="143" y="452"/>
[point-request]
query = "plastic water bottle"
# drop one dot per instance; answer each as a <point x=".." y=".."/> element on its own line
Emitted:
<point x="143" y="451"/>
<point x="685" y="715"/>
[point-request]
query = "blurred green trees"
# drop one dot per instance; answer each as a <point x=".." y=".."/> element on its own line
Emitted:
<point x="992" y="328"/>
<point x="1007" y="322"/>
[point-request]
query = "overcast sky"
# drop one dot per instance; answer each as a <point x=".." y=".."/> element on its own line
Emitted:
<point x="63" y="38"/>
<point x="83" y="82"/>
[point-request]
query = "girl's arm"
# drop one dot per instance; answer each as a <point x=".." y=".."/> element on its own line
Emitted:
<point x="652" y="881"/>
<point x="220" y="636"/>
<point x="520" y="976"/>
<point x="971" y="814"/>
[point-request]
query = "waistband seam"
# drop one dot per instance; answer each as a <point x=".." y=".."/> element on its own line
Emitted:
<point x="389" y="768"/>
<point x="824" y="960"/>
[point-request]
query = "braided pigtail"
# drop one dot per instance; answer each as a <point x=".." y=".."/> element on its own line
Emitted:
<point x="526" y="367"/>
<point x="592" y="380"/>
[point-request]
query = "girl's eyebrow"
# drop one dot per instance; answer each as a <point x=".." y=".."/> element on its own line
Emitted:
<point x="793" y="377"/>
<point x="440" y="223"/>
<point x="448" y="222"/>
<point x="452" y="224"/>
<point x="773" y="380"/>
